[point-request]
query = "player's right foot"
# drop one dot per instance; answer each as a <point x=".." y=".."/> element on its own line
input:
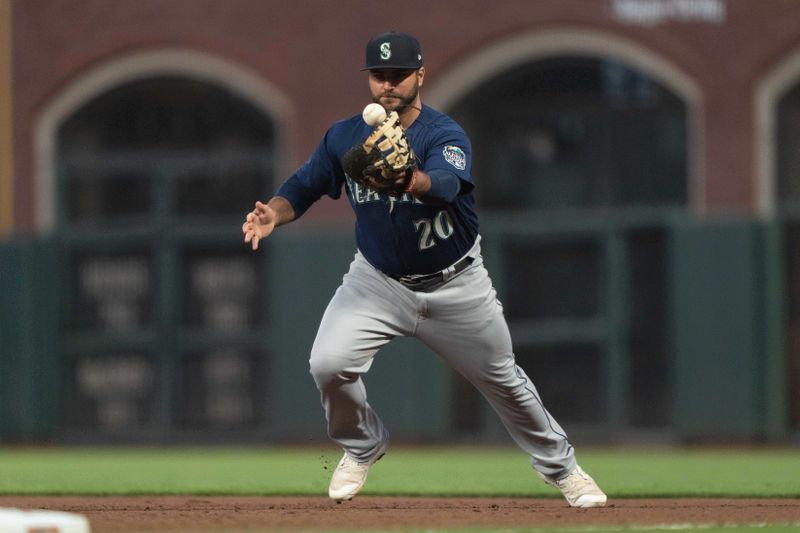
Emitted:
<point x="350" y="476"/>
<point x="578" y="488"/>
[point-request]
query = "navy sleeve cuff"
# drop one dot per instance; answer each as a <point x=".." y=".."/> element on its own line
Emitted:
<point x="445" y="186"/>
<point x="296" y="196"/>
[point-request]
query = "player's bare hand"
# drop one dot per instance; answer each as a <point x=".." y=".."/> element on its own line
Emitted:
<point x="258" y="224"/>
<point x="265" y="214"/>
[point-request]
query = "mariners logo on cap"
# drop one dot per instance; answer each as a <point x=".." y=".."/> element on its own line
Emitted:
<point x="455" y="156"/>
<point x="386" y="51"/>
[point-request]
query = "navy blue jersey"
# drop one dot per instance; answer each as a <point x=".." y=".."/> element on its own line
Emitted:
<point x="404" y="235"/>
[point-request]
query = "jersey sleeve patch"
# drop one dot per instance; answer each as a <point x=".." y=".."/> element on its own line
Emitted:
<point x="455" y="156"/>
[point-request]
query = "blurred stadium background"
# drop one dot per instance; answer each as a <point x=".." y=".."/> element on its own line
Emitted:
<point x="638" y="177"/>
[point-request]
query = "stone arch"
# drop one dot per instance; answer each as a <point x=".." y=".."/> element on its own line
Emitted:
<point x="459" y="80"/>
<point x="769" y="90"/>
<point x="120" y="70"/>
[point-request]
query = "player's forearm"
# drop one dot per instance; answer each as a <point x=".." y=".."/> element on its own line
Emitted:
<point x="420" y="183"/>
<point x="439" y="187"/>
<point x="284" y="212"/>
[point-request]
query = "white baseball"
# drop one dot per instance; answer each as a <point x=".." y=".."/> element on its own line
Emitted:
<point x="374" y="114"/>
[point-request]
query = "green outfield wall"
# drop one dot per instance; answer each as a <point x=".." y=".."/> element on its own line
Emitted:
<point x="29" y="329"/>
<point x="630" y="325"/>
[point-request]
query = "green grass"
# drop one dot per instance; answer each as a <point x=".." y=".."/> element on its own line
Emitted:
<point x="404" y="471"/>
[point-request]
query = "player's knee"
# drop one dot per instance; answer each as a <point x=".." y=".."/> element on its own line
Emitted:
<point x="327" y="371"/>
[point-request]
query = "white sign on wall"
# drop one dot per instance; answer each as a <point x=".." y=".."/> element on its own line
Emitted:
<point x="652" y="12"/>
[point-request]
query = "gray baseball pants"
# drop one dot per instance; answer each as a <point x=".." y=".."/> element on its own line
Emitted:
<point x="462" y="322"/>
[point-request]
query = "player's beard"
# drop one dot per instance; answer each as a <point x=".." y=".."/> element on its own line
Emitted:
<point x="399" y="103"/>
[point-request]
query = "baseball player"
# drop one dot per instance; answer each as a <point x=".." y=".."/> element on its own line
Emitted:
<point x="417" y="272"/>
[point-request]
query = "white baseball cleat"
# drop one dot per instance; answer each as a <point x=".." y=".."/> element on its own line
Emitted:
<point x="578" y="488"/>
<point x="350" y="475"/>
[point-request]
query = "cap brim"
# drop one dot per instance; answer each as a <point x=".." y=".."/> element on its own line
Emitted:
<point x="392" y="67"/>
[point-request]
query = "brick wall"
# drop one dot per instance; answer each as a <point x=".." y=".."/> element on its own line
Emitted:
<point x="312" y="52"/>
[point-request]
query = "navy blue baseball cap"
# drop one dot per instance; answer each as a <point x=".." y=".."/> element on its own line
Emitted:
<point x="393" y="50"/>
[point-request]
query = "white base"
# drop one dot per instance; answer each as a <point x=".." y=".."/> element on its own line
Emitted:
<point x="19" y="521"/>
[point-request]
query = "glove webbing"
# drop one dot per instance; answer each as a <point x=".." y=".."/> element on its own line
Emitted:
<point x="392" y="143"/>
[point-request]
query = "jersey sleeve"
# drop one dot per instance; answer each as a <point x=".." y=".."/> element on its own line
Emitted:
<point x="320" y="175"/>
<point x="449" y="164"/>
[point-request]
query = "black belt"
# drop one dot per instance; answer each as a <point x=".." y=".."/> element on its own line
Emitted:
<point x="429" y="282"/>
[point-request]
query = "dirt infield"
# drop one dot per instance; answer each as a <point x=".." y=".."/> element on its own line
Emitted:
<point x="218" y="514"/>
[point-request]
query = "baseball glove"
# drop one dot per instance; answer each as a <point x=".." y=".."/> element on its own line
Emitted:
<point x="384" y="162"/>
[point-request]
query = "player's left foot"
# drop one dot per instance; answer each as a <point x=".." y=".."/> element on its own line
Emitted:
<point x="578" y="488"/>
<point x="350" y="476"/>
